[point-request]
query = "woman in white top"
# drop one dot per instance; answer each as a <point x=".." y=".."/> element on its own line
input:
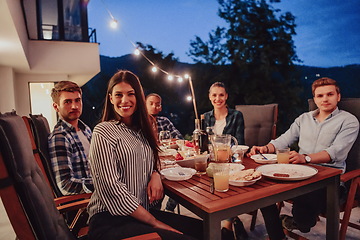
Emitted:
<point x="224" y="120"/>
<point x="124" y="161"/>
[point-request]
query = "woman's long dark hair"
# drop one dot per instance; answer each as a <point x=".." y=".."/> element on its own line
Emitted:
<point x="140" y="118"/>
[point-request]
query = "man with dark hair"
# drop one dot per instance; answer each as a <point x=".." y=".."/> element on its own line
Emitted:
<point x="69" y="142"/>
<point x="154" y="107"/>
<point x="325" y="137"/>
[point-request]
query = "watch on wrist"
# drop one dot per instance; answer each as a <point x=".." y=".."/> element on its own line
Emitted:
<point x="307" y="158"/>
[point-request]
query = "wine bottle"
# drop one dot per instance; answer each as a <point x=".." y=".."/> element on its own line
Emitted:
<point x="204" y="139"/>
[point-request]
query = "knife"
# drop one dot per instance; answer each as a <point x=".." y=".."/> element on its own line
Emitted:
<point x="258" y="152"/>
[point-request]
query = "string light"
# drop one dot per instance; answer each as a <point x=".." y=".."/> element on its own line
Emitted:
<point x="113" y="23"/>
<point x="137" y="52"/>
<point x="155" y="69"/>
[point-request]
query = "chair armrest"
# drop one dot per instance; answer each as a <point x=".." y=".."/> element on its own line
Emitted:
<point x="71" y="198"/>
<point x="148" y="236"/>
<point x="73" y="206"/>
<point x="350" y="175"/>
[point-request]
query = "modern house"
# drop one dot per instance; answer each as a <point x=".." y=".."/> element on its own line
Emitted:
<point x="42" y="42"/>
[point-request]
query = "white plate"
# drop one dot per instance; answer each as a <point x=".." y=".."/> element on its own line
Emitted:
<point x="178" y="173"/>
<point x="239" y="183"/>
<point x="295" y="171"/>
<point x="259" y="159"/>
<point x="235" y="167"/>
<point x="242" y="147"/>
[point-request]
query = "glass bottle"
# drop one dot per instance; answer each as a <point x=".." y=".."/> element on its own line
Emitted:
<point x="204" y="140"/>
<point x="196" y="136"/>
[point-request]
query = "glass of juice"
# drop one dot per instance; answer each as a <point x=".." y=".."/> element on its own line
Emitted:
<point x="200" y="164"/>
<point x="222" y="153"/>
<point x="221" y="176"/>
<point x="283" y="155"/>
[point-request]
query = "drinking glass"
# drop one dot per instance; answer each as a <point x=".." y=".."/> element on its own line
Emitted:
<point x="283" y="155"/>
<point x="200" y="164"/>
<point x="221" y="176"/>
<point x="165" y="138"/>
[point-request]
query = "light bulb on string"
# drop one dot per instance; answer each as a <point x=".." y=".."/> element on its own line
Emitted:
<point x="170" y="77"/>
<point x="180" y="79"/>
<point x="113" y="23"/>
<point x="189" y="98"/>
<point x="186" y="76"/>
<point x="137" y="52"/>
<point x="154" y="69"/>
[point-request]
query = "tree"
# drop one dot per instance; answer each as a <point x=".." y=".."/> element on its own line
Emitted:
<point x="257" y="46"/>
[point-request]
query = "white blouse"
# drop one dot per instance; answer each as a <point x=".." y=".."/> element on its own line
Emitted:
<point x="219" y="126"/>
<point x="121" y="162"/>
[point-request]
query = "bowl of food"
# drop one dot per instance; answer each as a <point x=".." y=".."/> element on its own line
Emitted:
<point x="190" y="161"/>
<point x="167" y="152"/>
<point x="178" y="173"/>
<point x="244" y="178"/>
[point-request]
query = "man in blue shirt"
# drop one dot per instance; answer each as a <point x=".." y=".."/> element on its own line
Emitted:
<point x="69" y="143"/>
<point x="325" y="137"/>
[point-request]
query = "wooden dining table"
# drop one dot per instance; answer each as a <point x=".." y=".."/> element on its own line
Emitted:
<point x="195" y="195"/>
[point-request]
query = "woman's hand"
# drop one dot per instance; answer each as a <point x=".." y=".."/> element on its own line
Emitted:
<point x="155" y="188"/>
<point x="162" y="225"/>
<point x="144" y="216"/>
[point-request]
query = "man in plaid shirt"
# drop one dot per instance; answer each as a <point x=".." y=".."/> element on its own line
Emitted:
<point x="153" y="105"/>
<point x="69" y="143"/>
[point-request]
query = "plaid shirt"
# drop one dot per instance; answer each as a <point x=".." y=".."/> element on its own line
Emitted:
<point x="234" y="124"/>
<point x="68" y="159"/>
<point x="163" y="124"/>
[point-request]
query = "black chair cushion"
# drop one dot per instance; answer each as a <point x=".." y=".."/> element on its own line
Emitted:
<point x="30" y="184"/>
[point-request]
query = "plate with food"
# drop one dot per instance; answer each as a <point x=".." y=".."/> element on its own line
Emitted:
<point x="244" y="178"/>
<point x="265" y="158"/>
<point x="287" y="172"/>
<point x="190" y="161"/>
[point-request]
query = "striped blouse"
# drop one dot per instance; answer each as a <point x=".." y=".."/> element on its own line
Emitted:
<point x="121" y="162"/>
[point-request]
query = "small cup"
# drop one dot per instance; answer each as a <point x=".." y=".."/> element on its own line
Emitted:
<point x="283" y="155"/>
<point x="200" y="165"/>
<point x="221" y="176"/>
<point x="238" y="154"/>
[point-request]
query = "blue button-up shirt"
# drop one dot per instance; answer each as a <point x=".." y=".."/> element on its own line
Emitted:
<point x="336" y="135"/>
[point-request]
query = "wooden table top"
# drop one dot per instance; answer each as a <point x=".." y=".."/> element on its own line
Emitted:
<point x="197" y="189"/>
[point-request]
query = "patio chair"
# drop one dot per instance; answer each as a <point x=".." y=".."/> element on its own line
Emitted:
<point x="259" y="122"/>
<point x="259" y="128"/>
<point x="27" y="197"/>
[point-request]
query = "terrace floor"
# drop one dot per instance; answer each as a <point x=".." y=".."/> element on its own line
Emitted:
<point x="317" y="232"/>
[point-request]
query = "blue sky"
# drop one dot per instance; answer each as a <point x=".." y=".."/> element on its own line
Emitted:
<point x="328" y="31"/>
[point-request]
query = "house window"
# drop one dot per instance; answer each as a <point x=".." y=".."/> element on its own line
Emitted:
<point x="63" y="20"/>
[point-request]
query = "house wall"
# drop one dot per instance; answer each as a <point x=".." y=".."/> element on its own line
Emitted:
<point x="7" y="91"/>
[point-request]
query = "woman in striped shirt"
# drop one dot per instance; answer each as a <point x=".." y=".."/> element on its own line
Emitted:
<point x="124" y="162"/>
